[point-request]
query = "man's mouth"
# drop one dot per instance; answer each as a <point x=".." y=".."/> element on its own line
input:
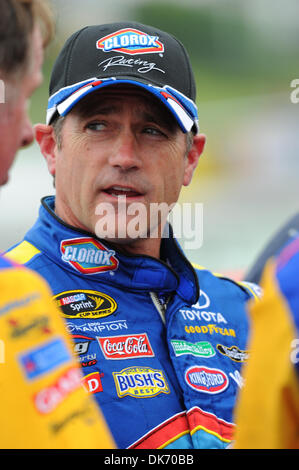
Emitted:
<point x="117" y="191"/>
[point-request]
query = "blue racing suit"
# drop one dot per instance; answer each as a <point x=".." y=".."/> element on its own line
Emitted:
<point x="161" y="355"/>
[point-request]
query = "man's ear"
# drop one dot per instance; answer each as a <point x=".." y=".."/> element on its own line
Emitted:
<point x="193" y="157"/>
<point x="45" y="137"/>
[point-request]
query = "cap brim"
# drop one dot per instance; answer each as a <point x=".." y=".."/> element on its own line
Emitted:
<point x="183" y="109"/>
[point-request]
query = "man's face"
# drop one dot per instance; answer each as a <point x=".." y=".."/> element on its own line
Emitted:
<point x="119" y="143"/>
<point x="15" y="126"/>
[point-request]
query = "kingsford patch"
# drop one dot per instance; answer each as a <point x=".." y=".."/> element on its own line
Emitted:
<point x="85" y="304"/>
<point x="130" y="41"/>
<point x="206" y="380"/>
<point x="140" y="382"/>
<point x="126" y="347"/>
<point x="88" y="256"/>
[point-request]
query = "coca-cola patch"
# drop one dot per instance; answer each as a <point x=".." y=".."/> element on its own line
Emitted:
<point x="126" y="346"/>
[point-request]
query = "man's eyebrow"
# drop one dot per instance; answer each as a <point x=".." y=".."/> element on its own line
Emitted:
<point x="150" y="117"/>
<point x="160" y="117"/>
<point x="89" y="109"/>
<point x="151" y="112"/>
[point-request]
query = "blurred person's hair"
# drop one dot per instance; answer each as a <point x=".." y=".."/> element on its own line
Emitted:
<point x="18" y="18"/>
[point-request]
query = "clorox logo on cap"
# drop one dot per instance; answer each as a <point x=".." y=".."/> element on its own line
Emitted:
<point x="88" y="256"/>
<point x="130" y="41"/>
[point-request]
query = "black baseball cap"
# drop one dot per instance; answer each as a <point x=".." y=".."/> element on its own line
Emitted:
<point x="130" y="53"/>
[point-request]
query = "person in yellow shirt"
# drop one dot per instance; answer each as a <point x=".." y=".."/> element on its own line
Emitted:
<point x="267" y="415"/>
<point x="43" y="402"/>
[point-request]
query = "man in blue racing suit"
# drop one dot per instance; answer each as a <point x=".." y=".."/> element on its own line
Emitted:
<point x="161" y="343"/>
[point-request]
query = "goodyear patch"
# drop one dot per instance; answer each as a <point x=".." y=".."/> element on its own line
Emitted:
<point x="88" y="256"/>
<point x="46" y="357"/>
<point x="210" y="329"/>
<point x="85" y="304"/>
<point x="199" y="349"/>
<point x="140" y="382"/>
<point x="206" y="380"/>
<point x="130" y="41"/>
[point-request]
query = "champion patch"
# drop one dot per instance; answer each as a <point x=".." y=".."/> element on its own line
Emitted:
<point x="206" y="380"/>
<point x="130" y="41"/>
<point x="88" y="256"/>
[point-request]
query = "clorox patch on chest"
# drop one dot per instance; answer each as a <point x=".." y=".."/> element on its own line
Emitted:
<point x="88" y="256"/>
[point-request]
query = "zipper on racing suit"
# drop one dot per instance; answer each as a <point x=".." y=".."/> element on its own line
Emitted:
<point x="160" y="306"/>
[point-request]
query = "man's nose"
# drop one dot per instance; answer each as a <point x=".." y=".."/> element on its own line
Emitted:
<point x="124" y="153"/>
<point x="27" y="133"/>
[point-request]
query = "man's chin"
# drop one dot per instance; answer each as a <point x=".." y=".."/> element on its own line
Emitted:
<point x="122" y="229"/>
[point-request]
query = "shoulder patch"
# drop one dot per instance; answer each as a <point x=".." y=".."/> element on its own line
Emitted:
<point x="254" y="289"/>
<point x="22" y="253"/>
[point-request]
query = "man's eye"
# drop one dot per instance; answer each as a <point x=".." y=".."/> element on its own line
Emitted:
<point x="152" y="131"/>
<point x="96" y="126"/>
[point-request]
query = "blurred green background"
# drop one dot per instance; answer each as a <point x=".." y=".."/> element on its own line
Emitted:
<point x="245" y="55"/>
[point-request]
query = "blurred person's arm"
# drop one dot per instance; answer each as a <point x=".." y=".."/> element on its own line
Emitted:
<point x="267" y="415"/>
<point x="43" y="403"/>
